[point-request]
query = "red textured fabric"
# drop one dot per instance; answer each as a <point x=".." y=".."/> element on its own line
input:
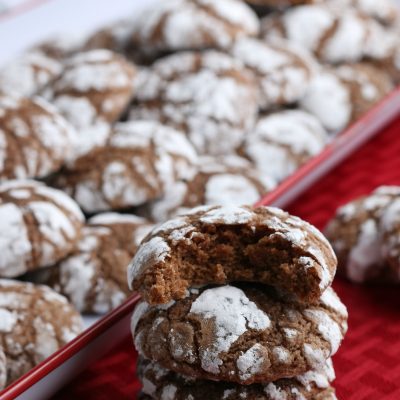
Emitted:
<point x="368" y="363"/>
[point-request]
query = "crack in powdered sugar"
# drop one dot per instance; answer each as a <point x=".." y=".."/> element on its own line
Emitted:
<point x="233" y="314"/>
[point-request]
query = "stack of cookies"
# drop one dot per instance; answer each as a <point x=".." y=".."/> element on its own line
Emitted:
<point x="236" y="304"/>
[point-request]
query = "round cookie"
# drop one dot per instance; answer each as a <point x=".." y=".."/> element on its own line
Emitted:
<point x="210" y="96"/>
<point x="93" y="91"/>
<point x="3" y="369"/>
<point x="159" y="383"/>
<point x="215" y="244"/>
<point x="332" y="35"/>
<point x="283" y="70"/>
<point x="344" y="94"/>
<point x="138" y="163"/>
<point x="226" y="180"/>
<point x="243" y="334"/>
<point x="39" y="226"/>
<point x="35" y="140"/>
<point x="35" y="322"/>
<point x="283" y="141"/>
<point x="194" y="24"/>
<point x="356" y="238"/>
<point x="28" y="74"/>
<point x="93" y="276"/>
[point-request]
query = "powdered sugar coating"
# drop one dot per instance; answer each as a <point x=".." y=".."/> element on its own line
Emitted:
<point x="309" y="386"/>
<point x="139" y="162"/>
<point x="93" y="90"/>
<point x="328" y="328"/>
<point x="38" y="228"/>
<point x="193" y="24"/>
<point x="226" y="180"/>
<point x="281" y="142"/>
<point x="28" y="74"/>
<point x="43" y="321"/>
<point x="93" y="275"/>
<point x="324" y="29"/>
<point x="235" y="334"/>
<point x="359" y="237"/>
<point x="35" y="140"/>
<point x="317" y="255"/>
<point x="233" y="314"/>
<point x="209" y="95"/>
<point x="283" y="70"/>
<point x="329" y="99"/>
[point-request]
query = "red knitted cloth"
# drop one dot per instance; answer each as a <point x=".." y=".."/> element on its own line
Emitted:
<point x="368" y="363"/>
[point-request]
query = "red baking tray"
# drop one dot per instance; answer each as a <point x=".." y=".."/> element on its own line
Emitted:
<point x="367" y="363"/>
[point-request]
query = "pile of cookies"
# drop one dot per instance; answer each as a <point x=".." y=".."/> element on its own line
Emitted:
<point x="44" y="238"/>
<point x="236" y="304"/>
<point x="189" y="103"/>
<point x="365" y="236"/>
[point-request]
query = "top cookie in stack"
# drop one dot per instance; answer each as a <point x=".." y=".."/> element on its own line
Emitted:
<point x="240" y="296"/>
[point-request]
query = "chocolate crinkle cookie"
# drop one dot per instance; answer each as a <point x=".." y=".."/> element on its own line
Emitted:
<point x="193" y="24"/>
<point x="335" y="37"/>
<point x="283" y="70"/>
<point x="226" y="180"/>
<point x="29" y="73"/>
<point x="341" y="95"/>
<point x="217" y="245"/>
<point x="364" y="236"/>
<point x="159" y="384"/>
<point x="283" y="141"/>
<point x="138" y="163"/>
<point x="92" y="92"/>
<point x="209" y="95"/>
<point x="35" y="322"/>
<point x="39" y="226"/>
<point x="93" y="276"/>
<point x="35" y="139"/>
<point x="243" y="334"/>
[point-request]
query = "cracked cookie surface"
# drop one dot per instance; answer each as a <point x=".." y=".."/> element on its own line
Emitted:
<point x="283" y="141"/>
<point x="92" y="92"/>
<point x="212" y="25"/>
<point x="93" y="276"/>
<point x="356" y="235"/>
<point x="243" y="333"/>
<point x="39" y="226"/>
<point x="35" y="139"/>
<point x="35" y="322"/>
<point x="341" y="95"/>
<point x="283" y="70"/>
<point x="226" y="180"/>
<point x="208" y="95"/>
<point x="138" y="163"/>
<point x="159" y="383"/>
<point x="28" y="73"/>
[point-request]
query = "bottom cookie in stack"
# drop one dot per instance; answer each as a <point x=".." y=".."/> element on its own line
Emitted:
<point x="161" y="384"/>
